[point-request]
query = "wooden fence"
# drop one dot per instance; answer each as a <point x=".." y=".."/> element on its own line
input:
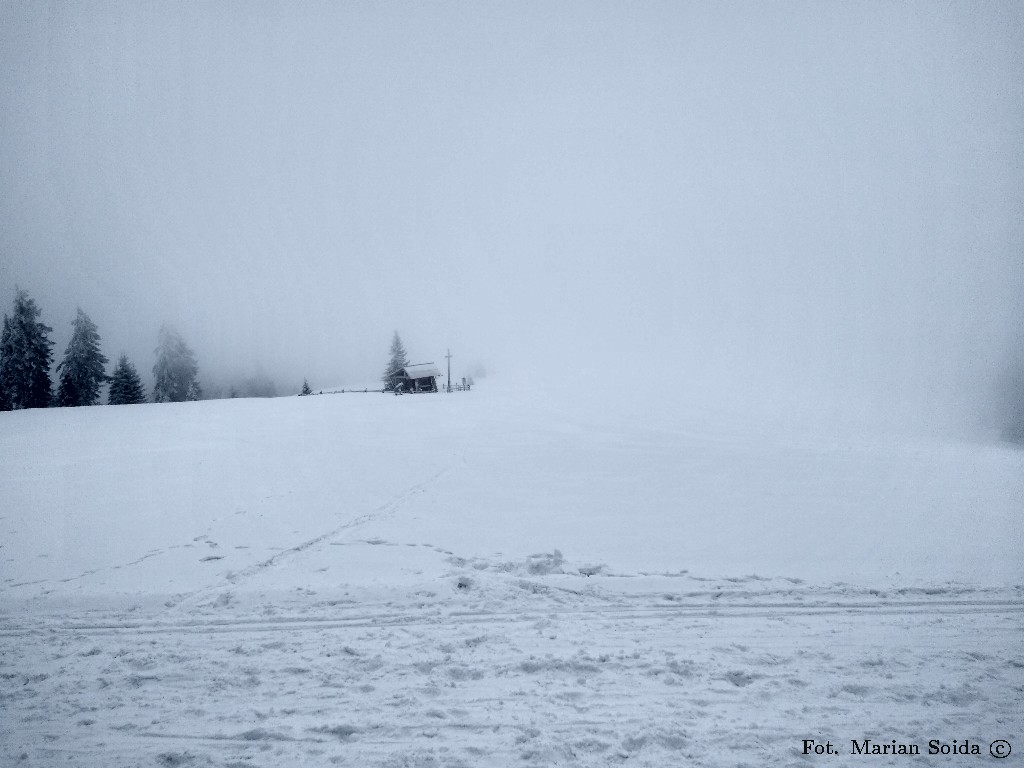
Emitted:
<point x="367" y="390"/>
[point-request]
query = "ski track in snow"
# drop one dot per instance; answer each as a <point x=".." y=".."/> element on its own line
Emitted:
<point x="511" y="670"/>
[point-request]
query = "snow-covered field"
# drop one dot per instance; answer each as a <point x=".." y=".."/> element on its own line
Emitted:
<point x="497" y="578"/>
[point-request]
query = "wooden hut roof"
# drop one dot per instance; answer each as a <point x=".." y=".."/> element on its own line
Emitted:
<point x="419" y="371"/>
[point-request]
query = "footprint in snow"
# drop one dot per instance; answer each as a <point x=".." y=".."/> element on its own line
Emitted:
<point x="741" y="679"/>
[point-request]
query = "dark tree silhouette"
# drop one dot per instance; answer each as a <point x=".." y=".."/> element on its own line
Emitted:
<point x="83" y="369"/>
<point x="125" y="384"/>
<point x="25" y="357"/>
<point x="397" y="359"/>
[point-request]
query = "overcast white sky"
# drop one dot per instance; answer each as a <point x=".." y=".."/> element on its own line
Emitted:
<point x="786" y="205"/>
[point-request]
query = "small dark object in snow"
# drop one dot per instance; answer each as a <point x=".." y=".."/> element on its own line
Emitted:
<point x="343" y="732"/>
<point x="262" y="734"/>
<point x="175" y="758"/>
<point x="740" y="679"/>
<point x="208" y="558"/>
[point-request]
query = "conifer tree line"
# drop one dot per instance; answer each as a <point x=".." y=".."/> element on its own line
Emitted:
<point x="26" y="357"/>
<point x="26" y="354"/>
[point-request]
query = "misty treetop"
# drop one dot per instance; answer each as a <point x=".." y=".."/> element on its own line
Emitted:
<point x="125" y="384"/>
<point x="175" y="371"/>
<point x="397" y="359"/>
<point x="25" y="357"/>
<point x="83" y="369"/>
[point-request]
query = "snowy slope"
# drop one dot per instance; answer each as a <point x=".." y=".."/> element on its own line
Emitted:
<point x="493" y="577"/>
<point x="123" y="500"/>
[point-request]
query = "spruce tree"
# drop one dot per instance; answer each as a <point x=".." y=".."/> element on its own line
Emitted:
<point x="125" y="384"/>
<point x="175" y="370"/>
<point x="25" y="357"/>
<point x="305" y="388"/>
<point x="83" y="368"/>
<point x="5" y="400"/>
<point x="396" y="360"/>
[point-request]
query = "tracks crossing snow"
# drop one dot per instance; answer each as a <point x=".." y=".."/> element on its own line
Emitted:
<point x="413" y="617"/>
<point x="235" y="578"/>
<point x="601" y="681"/>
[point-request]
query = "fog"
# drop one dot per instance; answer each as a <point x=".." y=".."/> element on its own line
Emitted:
<point x="801" y="209"/>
